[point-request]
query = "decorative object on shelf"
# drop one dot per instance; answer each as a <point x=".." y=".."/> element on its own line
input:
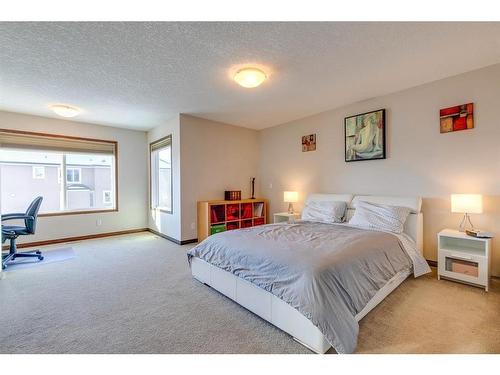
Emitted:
<point x="463" y="258"/>
<point x="466" y="204"/>
<point x="232" y="195"/>
<point x="223" y="215"/>
<point x="290" y="197"/>
<point x="459" y="117"/>
<point x="365" y="136"/>
<point x="253" y="188"/>
<point x="309" y="143"/>
<point x="479" y="233"/>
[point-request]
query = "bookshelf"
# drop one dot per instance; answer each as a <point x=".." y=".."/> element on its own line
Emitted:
<point x="220" y="215"/>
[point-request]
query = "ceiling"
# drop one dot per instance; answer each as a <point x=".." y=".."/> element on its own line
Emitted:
<point x="138" y="75"/>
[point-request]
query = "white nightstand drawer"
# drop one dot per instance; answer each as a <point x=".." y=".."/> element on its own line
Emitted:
<point x="470" y="268"/>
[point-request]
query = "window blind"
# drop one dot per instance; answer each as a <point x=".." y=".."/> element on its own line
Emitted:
<point x="28" y="140"/>
<point x="161" y="143"/>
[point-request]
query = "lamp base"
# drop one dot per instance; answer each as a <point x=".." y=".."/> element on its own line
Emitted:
<point x="465" y="224"/>
<point x="290" y="208"/>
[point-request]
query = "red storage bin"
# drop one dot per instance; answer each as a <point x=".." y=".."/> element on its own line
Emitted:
<point x="231" y="225"/>
<point x="232" y="212"/>
<point x="258" y="221"/>
<point x="246" y="223"/>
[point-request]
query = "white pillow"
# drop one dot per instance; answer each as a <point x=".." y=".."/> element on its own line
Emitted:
<point x="324" y="211"/>
<point x="380" y="217"/>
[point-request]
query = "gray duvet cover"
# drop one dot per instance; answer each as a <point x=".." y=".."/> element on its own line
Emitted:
<point x="327" y="272"/>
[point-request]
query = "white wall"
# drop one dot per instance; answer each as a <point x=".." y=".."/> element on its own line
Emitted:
<point x="420" y="160"/>
<point x="132" y="178"/>
<point x="214" y="157"/>
<point x="168" y="224"/>
<point x="208" y="157"/>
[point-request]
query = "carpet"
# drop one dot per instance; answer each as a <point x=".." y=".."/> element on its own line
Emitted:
<point x="51" y="256"/>
<point x="135" y="294"/>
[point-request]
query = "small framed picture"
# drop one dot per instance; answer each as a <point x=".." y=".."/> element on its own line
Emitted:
<point x="309" y="143"/>
<point x="365" y="136"/>
<point x="459" y="117"/>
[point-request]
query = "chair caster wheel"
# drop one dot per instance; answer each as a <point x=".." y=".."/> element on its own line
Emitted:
<point x="38" y="252"/>
<point x="40" y="258"/>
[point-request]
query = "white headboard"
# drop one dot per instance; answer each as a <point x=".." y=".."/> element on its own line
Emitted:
<point x="414" y="224"/>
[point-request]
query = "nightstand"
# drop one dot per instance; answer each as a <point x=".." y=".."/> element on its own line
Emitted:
<point x="464" y="258"/>
<point x="285" y="217"/>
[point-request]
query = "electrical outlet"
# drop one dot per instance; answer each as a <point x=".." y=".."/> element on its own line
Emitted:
<point x="270" y="185"/>
<point x="193" y="225"/>
<point x="98" y="222"/>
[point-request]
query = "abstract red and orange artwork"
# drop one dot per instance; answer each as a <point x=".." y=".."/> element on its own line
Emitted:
<point x="456" y="118"/>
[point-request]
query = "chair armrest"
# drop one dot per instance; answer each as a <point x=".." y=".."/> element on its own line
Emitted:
<point x="19" y="216"/>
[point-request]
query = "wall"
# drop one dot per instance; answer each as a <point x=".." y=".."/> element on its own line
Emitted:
<point x="420" y="160"/>
<point x="168" y="224"/>
<point x="16" y="192"/>
<point x="132" y="178"/>
<point x="215" y="157"/>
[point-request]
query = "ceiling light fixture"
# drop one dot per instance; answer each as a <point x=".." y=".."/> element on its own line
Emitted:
<point x="250" y="77"/>
<point x="65" y="110"/>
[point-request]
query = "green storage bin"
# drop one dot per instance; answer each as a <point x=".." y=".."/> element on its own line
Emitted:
<point x="217" y="228"/>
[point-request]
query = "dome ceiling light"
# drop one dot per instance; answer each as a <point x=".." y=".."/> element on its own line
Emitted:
<point x="65" y="110"/>
<point x="250" y="77"/>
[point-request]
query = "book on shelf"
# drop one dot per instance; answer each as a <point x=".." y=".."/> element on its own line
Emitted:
<point x="258" y="209"/>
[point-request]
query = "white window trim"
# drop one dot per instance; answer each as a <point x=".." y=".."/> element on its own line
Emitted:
<point x="79" y="175"/>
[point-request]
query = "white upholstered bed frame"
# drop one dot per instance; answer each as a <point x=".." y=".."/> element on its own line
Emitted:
<point x="282" y="315"/>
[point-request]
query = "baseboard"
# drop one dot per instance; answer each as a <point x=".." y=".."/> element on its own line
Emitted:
<point x="77" y="238"/>
<point x="184" y="242"/>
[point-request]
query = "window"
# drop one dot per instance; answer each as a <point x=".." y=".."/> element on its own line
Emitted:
<point x="38" y="172"/>
<point x="106" y="197"/>
<point x="71" y="173"/>
<point x="161" y="174"/>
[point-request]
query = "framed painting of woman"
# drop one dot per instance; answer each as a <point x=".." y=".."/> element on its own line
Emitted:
<point x="365" y="136"/>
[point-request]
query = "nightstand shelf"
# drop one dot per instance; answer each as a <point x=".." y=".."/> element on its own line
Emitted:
<point x="285" y="217"/>
<point x="464" y="258"/>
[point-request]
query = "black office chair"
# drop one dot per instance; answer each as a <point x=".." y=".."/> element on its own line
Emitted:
<point x="11" y="232"/>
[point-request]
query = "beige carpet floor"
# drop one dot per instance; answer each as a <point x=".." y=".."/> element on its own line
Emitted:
<point x="135" y="294"/>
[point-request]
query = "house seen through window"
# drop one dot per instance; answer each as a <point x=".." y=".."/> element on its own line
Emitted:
<point x="26" y="173"/>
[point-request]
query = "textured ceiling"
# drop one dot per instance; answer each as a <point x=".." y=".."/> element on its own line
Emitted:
<point x="137" y="75"/>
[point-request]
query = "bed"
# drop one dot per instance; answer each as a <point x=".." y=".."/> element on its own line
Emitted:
<point x="303" y="277"/>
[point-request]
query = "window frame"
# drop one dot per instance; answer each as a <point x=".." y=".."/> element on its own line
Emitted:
<point x="79" y="175"/>
<point x="151" y="192"/>
<point x="74" y="138"/>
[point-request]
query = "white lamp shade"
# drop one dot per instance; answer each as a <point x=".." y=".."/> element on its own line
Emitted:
<point x="467" y="203"/>
<point x="290" y="196"/>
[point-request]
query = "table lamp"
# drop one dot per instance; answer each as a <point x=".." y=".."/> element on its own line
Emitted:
<point x="466" y="204"/>
<point x="290" y="197"/>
